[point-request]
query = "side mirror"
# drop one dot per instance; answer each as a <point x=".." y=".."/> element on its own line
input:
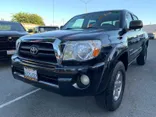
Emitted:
<point x="136" y="24"/>
<point x="30" y="31"/>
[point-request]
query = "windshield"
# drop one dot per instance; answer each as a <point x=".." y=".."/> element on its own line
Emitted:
<point x="11" y="26"/>
<point x="103" y="20"/>
<point x="44" y="29"/>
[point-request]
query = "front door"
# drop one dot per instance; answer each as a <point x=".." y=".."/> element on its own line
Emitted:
<point x="132" y="38"/>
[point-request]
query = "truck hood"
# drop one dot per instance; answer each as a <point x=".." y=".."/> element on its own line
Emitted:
<point x="72" y="35"/>
<point x="12" y="33"/>
<point x="65" y="35"/>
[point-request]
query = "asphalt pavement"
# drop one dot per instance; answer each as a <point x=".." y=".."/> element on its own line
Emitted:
<point x="18" y="99"/>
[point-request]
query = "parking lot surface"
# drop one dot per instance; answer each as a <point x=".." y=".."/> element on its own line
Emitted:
<point x="18" y="99"/>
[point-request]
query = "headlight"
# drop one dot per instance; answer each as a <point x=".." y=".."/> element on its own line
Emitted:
<point x="82" y="50"/>
<point x="18" y="44"/>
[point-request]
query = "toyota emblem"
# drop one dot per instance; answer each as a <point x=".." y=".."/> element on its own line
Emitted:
<point x="34" y="50"/>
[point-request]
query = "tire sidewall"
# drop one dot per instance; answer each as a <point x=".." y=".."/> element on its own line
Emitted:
<point x="110" y="102"/>
<point x="145" y="53"/>
<point x="142" y="58"/>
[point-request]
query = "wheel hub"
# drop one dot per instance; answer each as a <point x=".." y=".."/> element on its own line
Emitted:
<point x="118" y="86"/>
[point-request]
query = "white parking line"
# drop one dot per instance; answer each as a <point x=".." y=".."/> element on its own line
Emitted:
<point x="18" y="98"/>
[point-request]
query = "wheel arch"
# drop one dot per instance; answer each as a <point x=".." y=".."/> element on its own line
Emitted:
<point x="124" y="58"/>
<point x="114" y="57"/>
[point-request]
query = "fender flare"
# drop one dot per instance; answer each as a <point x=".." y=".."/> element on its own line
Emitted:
<point x="109" y="64"/>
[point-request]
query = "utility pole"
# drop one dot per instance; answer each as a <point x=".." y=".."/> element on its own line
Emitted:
<point x="53" y="12"/>
<point x="86" y="4"/>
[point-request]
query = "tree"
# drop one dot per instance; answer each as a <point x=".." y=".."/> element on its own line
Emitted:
<point x="27" y="18"/>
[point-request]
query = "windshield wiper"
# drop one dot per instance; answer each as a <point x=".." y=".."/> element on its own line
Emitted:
<point x="91" y="28"/>
<point x="69" y="28"/>
<point x="82" y="28"/>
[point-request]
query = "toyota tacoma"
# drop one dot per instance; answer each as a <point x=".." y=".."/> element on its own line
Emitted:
<point x="9" y="33"/>
<point x="87" y="57"/>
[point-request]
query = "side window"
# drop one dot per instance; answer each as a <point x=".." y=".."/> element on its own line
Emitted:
<point x="134" y="17"/>
<point x="128" y="19"/>
<point x="116" y="23"/>
<point x="78" y="23"/>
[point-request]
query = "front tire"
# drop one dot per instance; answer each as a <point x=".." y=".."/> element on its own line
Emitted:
<point x="111" y="98"/>
<point x="141" y="60"/>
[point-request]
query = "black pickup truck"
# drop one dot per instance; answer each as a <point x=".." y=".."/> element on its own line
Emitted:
<point x="87" y="57"/>
<point x="9" y="33"/>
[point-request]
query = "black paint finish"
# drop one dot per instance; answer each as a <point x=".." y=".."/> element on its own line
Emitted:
<point x="115" y="43"/>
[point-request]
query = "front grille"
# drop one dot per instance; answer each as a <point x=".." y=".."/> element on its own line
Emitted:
<point x="45" y="51"/>
<point x="6" y="43"/>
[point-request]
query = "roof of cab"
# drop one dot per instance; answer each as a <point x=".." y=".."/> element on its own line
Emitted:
<point x="122" y="10"/>
<point x="9" y="22"/>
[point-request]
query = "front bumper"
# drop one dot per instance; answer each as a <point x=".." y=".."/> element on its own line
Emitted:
<point x="59" y="79"/>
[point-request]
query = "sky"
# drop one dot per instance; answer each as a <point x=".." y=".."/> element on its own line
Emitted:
<point x="66" y="9"/>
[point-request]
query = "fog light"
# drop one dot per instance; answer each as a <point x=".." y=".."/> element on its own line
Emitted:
<point x="85" y="80"/>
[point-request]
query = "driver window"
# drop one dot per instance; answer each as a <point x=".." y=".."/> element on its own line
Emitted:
<point x="134" y="17"/>
<point x="128" y="20"/>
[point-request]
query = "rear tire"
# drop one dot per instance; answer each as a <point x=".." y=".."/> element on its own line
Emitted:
<point x="109" y="99"/>
<point x="141" y="60"/>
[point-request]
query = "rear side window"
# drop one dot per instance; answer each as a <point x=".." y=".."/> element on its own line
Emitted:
<point x="128" y="19"/>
